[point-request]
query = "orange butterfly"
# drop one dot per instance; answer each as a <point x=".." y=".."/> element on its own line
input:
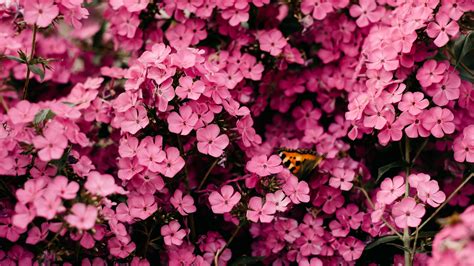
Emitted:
<point x="300" y="162"/>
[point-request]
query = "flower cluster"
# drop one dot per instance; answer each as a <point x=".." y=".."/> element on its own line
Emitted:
<point x="146" y="132"/>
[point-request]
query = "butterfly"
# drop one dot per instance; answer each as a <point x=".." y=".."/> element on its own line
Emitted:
<point x="300" y="162"/>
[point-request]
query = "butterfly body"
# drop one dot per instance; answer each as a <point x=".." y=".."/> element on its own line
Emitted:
<point x="300" y="162"/>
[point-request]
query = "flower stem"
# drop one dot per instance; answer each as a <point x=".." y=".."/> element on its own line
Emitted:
<point x="207" y="174"/>
<point x="445" y="202"/>
<point x="219" y="251"/>
<point x="28" y="71"/>
<point x="406" y="231"/>
<point x="373" y="207"/>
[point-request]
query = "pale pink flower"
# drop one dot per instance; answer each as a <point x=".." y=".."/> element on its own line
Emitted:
<point x="40" y="12"/>
<point x="184" y="205"/>
<point x="82" y="216"/>
<point x="102" y="185"/>
<point x="225" y="200"/>
<point x="391" y="189"/>
<point x="210" y="142"/>
<point x="407" y="213"/>
<point x="263" y="166"/>
<point x="297" y="191"/>
<point x="172" y="234"/>
<point x="259" y="211"/>
<point x="430" y="193"/>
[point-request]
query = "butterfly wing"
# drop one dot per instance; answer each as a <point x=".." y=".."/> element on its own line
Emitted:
<point x="300" y="162"/>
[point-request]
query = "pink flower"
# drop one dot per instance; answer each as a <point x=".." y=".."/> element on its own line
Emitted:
<point x="442" y="29"/>
<point x="150" y="153"/>
<point x="32" y="190"/>
<point x="391" y="189"/>
<point x="272" y="41"/>
<point x="366" y="12"/>
<point x="52" y="144"/>
<point x="40" y="12"/>
<point x="119" y="248"/>
<point x="429" y="193"/>
<point x="392" y="130"/>
<point x="23" y="215"/>
<point x="413" y="103"/>
<point x="172" y="234"/>
<point x="351" y="249"/>
<point x="407" y="213"/>
<point x="142" y="206"/>
<point x="445" y="91"/>
<point x="23" y="112"/>
<point x="318" y="8"/>
<point x="82" y="216"/>
<point x="263" y="166"/>
<point x="172" y="164"/>
<point x="416" y="179"/>
<point x="279" y="199"/>
<point x="439" y="121"/>
<point x="183" y="122"/>
<point x="210" y="142"/>
<point x="184" y="205"/>
<point x="297" y="191"/>
<point x="48" y="205"/>
<point x="342" y="179"/>
<point x="61" y="187"/>
<point x="431" y="72"/>
<point x="385" y="58"/>
<point x="189" y="89"/>
<point x="330" y="198"/>
<point x="259" y="211"/>
<point x="102" y="185"/>
<point x="134" y="119"/>
<point x="224" y="201"/>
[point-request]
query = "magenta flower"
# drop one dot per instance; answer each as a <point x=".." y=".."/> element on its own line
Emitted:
<point x="351" y="249"/>
<point x="297" y="191"/>
<point x="317" y="8"/>
<point x="102" y="185"/>
<point x="431" y="72"/>
<point x="134" y="119"/>
<point x="407" y="213"/>
<point x="366" y="12"/>
<point x="82" y="216"/>
<point x="385" y="58"/>
<point x="439" y="121"/>
<point x="150" y="153"/>
<point x="210" y="142"/>
<point x="430" y="193"/>
<point x="342" y="178"/>
<point x="61" y="187"/>
<point x="263" y="166"/>
<point x="272" y="41"/>
<point x="52" y="144"/>
<point x="142" y="206"/>
<point x="224" y="201"/>
<point x="391" y="189"/>
<point x="189" y="89"/>
<point x="184" y="205"/>
<point x="260" y="211"/>
<point x="172" y="164"/>
<point x="442" y="28"/>
<point x="445" y="91"/>
<point x="413" y="103"/>
<point x="183" y="122"/>
<point x="172" y="234"/>
<point x="40" y="12"/>
<point x="23" y="112"/>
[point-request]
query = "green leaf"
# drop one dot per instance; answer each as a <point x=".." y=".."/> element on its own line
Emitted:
<point x="467" y="46"/>
<point x="42" y="116"/>
<point x="400" y="247"/>
<point x="380" y="241"/>
<point x="246" y="260"/>
<point x="37" y="70"/>
<point x="384" y="169"/>
<point x="15" y="58"/>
